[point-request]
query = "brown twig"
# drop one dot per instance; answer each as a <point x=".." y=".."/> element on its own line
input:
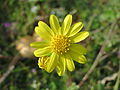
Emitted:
<point x="5" y="57"/>
<point x="100" y="54"/>
<point x="108" y="78"/>
<point x="107" y="55"/>
<point x="10" y="68"/>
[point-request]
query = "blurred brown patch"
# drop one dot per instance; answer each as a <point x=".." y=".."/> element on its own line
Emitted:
<point x="23" y="45"/>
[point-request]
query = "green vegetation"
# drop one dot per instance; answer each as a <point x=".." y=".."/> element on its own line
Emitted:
<point x="17" y="21"/>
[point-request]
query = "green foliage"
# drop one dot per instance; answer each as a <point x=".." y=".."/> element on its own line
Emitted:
<point x="98" y="17"/>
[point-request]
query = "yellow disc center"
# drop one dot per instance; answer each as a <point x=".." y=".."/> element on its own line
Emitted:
<point x="60" y="44"/>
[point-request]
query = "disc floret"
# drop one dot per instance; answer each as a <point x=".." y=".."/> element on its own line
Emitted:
<point x="60" y="44"/>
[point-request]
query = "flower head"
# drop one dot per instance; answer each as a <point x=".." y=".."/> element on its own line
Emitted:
<point x="58" y="49"/>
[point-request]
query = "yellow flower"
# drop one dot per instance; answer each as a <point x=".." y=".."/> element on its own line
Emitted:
<point x="58" y="48"/>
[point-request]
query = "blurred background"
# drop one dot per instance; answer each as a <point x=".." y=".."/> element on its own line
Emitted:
<point x="18" y="66"/>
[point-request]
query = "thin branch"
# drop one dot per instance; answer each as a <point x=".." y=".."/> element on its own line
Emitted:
<point x="10" y="68"/>
<point x="107" y="55"/>
<point x="100" y="54"/>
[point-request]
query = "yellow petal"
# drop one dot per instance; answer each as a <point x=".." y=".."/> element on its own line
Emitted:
<point x="42" y="52"/>
<point x="44" y="31"/>
<point x="39" y="44"/>
<point x="59" y="31"/>
<point x="82" y="59"/>
<point x="66" y="24"/>
<point x="77" y="57"/>
<point x="52" y="62"/>
<point x="39" y="62"/>
<point x="77" y="48"/>
<point x="58" y="69"/>
<point x="43" y="61"/>
<point x="61" y="66"/>
<point x="54" y="23"/>
<point x="79" y="37"/>
<point x="69" y="63"/>
<point x="75" y="28"/>
<point x="43" y="25"/>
